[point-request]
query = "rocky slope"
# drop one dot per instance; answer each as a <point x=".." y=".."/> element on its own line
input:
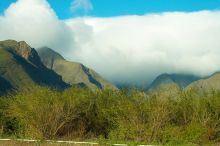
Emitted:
<point x="207" y="84"/>
<point x="21" y="67"/>
<point x="73" y="73"/>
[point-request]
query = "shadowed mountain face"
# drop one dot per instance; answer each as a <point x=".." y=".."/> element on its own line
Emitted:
<point x="207" y="84"/>
<point x="73" y="73"/>
<point x="178" y="80"/>
<point x="5" y="86"/>
<point x="21" y="68"/>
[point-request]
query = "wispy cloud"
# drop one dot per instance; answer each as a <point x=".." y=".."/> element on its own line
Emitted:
<point x="84" y="5"/>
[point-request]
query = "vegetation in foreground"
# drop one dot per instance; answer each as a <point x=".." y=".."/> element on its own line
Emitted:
<point x="107" y="116"/>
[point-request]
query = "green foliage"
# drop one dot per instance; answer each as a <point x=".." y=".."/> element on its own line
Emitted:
<point x="3" y="55"/>
<point x="112" y="116"/>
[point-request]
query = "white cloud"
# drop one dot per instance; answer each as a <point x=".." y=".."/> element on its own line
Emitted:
<point x="131" y="49"/>
<point x="138" y="48"/>
<point x="85" y="5"/>
<point x="35" y="22"/>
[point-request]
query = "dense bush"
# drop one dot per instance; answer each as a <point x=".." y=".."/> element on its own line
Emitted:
<point x="126" y="115"/>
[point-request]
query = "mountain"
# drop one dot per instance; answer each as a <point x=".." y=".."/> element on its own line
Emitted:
<point x="5" y="86"/>
<point x="166" y="81"/>
<point x="207" y="84"/>
<point x="21" y="67"/>
<point x="73" y="73"/>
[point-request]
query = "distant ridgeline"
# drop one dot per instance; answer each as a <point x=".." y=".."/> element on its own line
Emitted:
<point x="183" y="82"/>
<point x="21" y="68"/>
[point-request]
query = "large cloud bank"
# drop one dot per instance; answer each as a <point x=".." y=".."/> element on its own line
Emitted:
<point x="126" y="49"/>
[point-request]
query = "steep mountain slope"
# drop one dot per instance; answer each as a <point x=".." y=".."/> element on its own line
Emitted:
<point x="207" y="84"/>
<point x="5" y="86"/>
<point x="178" y="80"/>
<point x="20" y="67"/>
<point x="73" y="73"/>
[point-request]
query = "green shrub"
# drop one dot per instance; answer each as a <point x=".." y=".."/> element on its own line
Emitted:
<point x="126" y="115"/>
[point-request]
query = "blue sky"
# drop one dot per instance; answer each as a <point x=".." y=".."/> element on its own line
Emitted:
<point x="108" y="8"/>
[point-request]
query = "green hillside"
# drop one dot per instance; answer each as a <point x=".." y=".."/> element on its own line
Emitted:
<point x="180" y="80"/>
<point x="4" y="56"/>
<point x="21" y="67"/>
<point x="73" y="73"/>
<point x="207" y="84"/>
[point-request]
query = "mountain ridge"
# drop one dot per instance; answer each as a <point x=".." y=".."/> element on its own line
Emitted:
<point x="206" y="84"/>
<point x="73" y="73"/>
<point x="21" y="68"/>
<point x="180" y="80"/>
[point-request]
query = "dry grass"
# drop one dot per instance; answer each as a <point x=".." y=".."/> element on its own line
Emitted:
<point x="19" y="143"/>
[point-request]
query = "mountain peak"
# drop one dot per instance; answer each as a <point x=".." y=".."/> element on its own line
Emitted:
<point x="73" y="73"/>
<point x="21" y="68"/>
<point x="24" y="50"/>
<point x="181" y="80"/>
<point x="48" y="56"/>
<point x="21" y="48"/>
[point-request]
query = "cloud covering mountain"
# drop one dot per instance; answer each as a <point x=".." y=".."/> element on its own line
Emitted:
<point x="126" y="49"/>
